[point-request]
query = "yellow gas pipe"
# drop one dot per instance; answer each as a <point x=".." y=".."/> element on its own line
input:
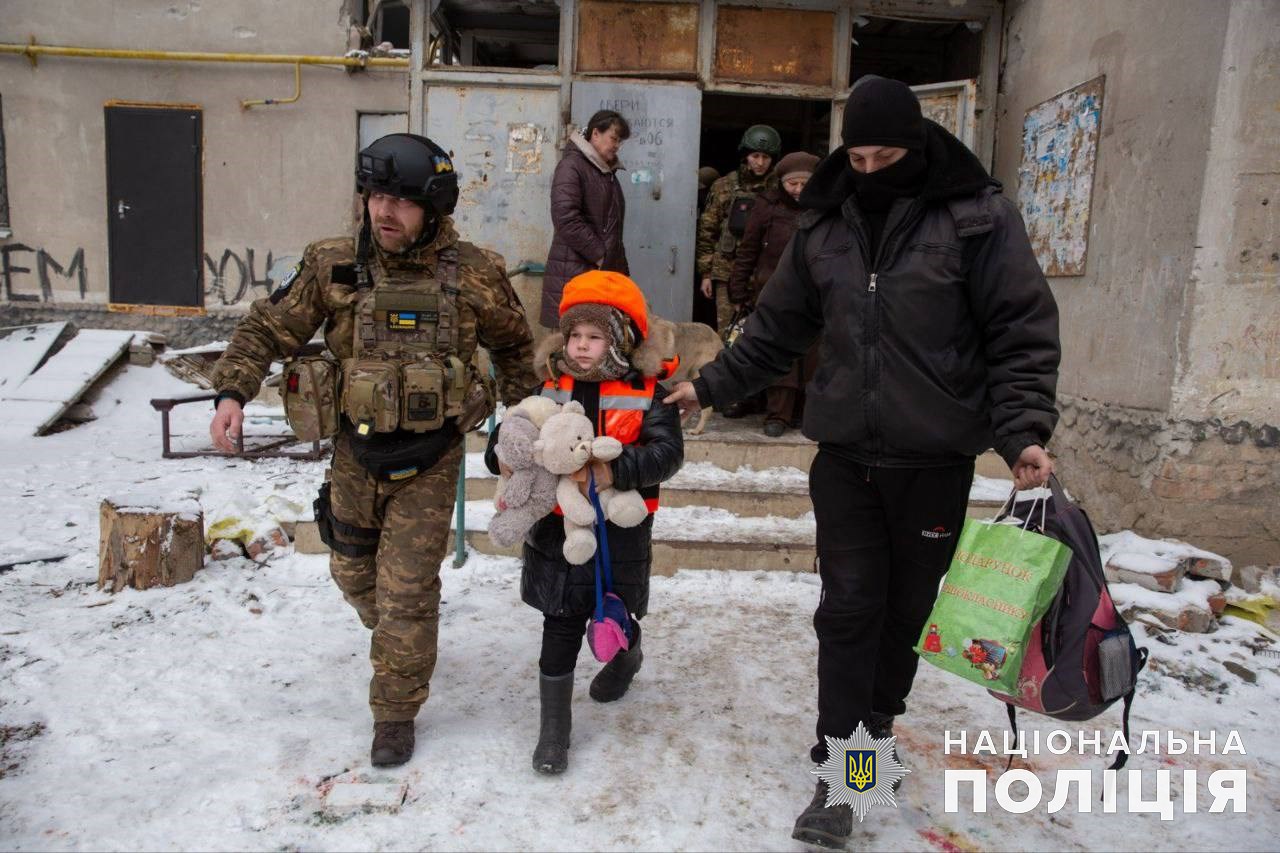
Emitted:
<point x="33" y="51"/>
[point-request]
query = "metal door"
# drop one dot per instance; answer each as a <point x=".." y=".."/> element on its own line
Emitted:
<point x="153" y="205"/>
<point x="502" y="141"/>
<point x="659" y="181"/>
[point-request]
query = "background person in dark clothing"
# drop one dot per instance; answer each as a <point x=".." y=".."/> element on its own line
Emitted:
<point x="939" y="339"/>
<point x="587" y="210"/>
<point x="772" y="222"/>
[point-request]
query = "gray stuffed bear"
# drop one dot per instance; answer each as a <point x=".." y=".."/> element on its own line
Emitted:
<point x="530" y="492"/>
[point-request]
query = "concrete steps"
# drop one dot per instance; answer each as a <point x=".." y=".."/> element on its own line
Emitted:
<point x="741" y="502"/>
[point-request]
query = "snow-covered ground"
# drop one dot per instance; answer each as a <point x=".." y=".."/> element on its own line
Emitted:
<point x="219" y="713"/>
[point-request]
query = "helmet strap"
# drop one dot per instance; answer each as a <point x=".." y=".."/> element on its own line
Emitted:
<point x="363" y="246"/>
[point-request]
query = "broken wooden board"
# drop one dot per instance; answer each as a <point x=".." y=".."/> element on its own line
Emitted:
<point x="22" y="350"/>
<point x="42" y="398"/>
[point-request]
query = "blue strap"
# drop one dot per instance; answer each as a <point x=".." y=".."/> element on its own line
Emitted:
<point x="604" y="564"/>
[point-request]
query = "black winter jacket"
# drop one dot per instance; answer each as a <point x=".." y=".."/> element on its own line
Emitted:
<point x="937" y="344"/>
<point x="547" y="581"/>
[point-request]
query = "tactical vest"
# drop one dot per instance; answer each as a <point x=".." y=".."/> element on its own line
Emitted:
<point x="622" y="409"/>
<point x="405" y="373"/>
<point x="735" y="220"/>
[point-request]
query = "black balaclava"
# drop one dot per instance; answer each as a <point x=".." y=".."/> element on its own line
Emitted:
<point x="887" y="113"/>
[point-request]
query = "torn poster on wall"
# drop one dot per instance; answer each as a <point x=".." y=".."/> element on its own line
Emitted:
<point x="1055" y="180"/>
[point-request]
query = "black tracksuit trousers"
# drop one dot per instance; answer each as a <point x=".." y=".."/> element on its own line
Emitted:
<point x="885" y="538"/>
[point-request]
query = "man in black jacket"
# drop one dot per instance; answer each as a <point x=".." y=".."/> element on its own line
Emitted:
<point x="939" y="339"/>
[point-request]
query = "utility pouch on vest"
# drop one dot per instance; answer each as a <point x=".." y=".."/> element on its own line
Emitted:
<point x="478" y="402"/>
<point x="739" y="213"/>
<point x="423" y="396"/>
<point x="371" y="394"/>
<point x="309" y="388"/>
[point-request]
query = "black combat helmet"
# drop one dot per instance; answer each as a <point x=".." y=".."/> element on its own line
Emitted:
<point x="761" y="137"/>
<point x="406" y="165"/>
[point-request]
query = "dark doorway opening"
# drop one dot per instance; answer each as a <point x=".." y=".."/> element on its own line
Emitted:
<point x="153" y="205"/>
<point x="803" y="126"/>
<point x="915" y="52"/>
<point x="495" y="34"/>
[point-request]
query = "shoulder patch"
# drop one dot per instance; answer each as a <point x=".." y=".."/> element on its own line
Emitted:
<point x="343" y="274"/>
<point x="286" y="284"/>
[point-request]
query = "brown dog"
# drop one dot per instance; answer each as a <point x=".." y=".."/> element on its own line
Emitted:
<point x="695" y="343"/>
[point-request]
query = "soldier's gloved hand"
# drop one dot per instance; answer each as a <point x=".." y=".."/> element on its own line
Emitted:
<point x="227" y="425"/>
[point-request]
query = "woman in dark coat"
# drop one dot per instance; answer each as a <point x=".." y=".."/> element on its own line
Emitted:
<point x="772" y="222"/>
<point x="587" y="210"/>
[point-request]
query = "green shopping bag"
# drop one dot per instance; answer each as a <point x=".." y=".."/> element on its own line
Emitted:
<point x="1002" y="579"/>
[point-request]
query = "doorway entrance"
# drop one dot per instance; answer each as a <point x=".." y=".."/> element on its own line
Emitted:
<point x="153" y="205"/>
<point x="803" y="126"/>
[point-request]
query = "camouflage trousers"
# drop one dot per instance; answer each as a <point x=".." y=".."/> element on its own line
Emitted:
<point x="724" y="308"/>
<point x="395" y="587"/>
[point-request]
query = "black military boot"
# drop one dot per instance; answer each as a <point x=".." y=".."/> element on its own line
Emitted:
<point x="551" y="755"/>
<point x="823" y="825"/>
<point x="881" y="726"/>
<point x="392" y="743"/>
<point x="611" y="683"/>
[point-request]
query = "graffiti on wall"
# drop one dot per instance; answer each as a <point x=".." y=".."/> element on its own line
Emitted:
<point x="234" y="278"/>
<point x="35" y="275"/>
<point x="1055" y="179"/>
<point x="18" y="274"/>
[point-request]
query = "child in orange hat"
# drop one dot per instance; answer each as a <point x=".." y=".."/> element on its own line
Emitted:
<point x="604" y="358"/>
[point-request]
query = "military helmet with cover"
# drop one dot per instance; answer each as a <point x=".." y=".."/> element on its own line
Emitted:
<point x="409" y="166"/>
<point x="761" y="137"/>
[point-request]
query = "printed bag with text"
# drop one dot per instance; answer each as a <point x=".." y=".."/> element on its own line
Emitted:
<point x="1002" y="579"/>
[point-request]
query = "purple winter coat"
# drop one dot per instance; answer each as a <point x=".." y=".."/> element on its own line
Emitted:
<point x="587" y="209"/>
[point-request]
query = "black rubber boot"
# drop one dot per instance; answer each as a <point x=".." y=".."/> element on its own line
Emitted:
<point x="392" y="743"/>
<point x="881" y="726"/>
<point x="551" y="755"/>
<point x="611" y="683"/>
<point x="823" y="825"/>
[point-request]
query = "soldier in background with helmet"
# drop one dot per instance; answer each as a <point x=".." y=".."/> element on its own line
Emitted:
<point x="404" y="307"/>
<point x="724" y="220"/>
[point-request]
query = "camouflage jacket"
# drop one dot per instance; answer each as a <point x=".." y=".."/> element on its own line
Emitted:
<point x="714" y="257"/>
<point x="490" y="313"/>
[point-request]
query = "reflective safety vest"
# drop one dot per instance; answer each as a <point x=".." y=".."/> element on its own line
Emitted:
<point x="621" y="414"/>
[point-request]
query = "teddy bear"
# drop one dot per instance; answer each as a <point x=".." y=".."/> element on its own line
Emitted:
<point x="567" y="442"/>
<point x="529" y="492"/>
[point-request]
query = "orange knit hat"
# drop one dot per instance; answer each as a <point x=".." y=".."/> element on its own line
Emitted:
<point x="614" y="289"/>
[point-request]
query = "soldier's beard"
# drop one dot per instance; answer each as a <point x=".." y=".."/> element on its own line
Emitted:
<point x="395" y="241"/>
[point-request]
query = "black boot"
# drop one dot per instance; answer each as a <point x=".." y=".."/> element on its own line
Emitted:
<point x="881" y="726"/>
<point x="823" y="825"/>
<point x="611" y="683"/>
<point x="551" y="755"/>
<point x="392" y="743"/>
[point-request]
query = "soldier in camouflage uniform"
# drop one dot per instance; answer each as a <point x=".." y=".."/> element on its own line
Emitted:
<point x="385" y="511"/>
<point x="724" y="219"/>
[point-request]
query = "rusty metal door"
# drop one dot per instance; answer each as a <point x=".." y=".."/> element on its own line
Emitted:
<point x="659" y="181"/>
<point x="502" y="141"/>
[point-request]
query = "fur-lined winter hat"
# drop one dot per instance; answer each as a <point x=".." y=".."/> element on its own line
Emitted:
<point x="614" y="304"/>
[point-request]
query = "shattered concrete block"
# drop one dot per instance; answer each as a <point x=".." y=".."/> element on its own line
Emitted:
<point x="1241" y="670"/>
<point x="1168" y="580"/>
<point x="225" y="549"/>
<point x="1205" y="567"/>
<point x="1179" y="614"/>
<point x="266" y="543"/>
<point x="1249" y="578"/>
